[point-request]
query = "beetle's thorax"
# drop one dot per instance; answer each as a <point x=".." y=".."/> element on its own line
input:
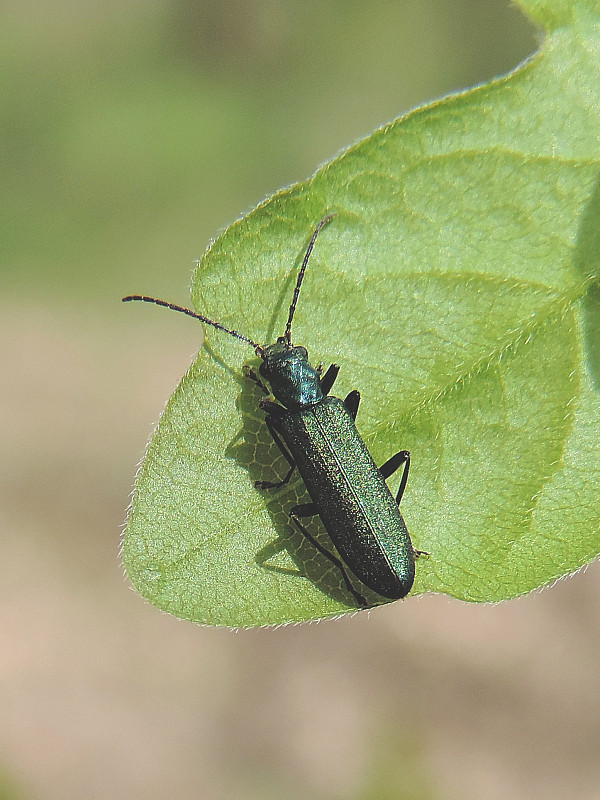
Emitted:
<point x="293" y="381"/>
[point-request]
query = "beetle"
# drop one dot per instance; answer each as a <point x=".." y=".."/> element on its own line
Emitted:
<point x="317" y="435"/>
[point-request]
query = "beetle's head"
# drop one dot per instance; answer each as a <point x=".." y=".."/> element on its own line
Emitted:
<point x="293" y="381"/>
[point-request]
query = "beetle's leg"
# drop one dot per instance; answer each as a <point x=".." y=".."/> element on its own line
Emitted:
<point x="305" y="510"/>
<point x="248" y="372"/>
<point x="274" y="409"/>
<point x="328" y="379"/>
<point x="391" y="465"/>
<point x="310" y="510"/>
<point x="351" y="403"/>
<point x="387" y="469"/>
<point x="284" y="453"/>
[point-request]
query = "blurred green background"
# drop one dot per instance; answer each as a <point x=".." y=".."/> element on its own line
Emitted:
<point x="131" y="133"/>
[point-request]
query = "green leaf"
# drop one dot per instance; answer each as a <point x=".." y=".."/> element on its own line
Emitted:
<point x="458" y="289"/>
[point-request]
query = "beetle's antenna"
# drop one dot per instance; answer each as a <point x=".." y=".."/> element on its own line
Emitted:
<point x="191" y="313"/>
<point x="288" y="328"/>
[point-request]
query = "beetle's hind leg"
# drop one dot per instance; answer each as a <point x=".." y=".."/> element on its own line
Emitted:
<point x="387" y="469"/>
<point x="310" y="510"/>
<point x="394" y="463"/>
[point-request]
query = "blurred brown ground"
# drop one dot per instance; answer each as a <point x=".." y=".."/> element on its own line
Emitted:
<point x="132" y="133"/>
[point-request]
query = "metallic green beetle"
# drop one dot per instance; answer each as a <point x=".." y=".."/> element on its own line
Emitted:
<point x="316" y="434"/>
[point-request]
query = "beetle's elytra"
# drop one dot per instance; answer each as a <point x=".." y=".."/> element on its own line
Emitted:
<point x="317" y="435"/>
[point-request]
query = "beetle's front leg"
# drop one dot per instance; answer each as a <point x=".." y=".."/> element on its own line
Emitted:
<point x="328" y="379"/>
<point x="352" y="402"/>
<point x="249" y="372"/>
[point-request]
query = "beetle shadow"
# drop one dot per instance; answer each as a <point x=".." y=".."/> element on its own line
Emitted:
<point x="290" y="553"/>
<point x="587" y="262"/>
